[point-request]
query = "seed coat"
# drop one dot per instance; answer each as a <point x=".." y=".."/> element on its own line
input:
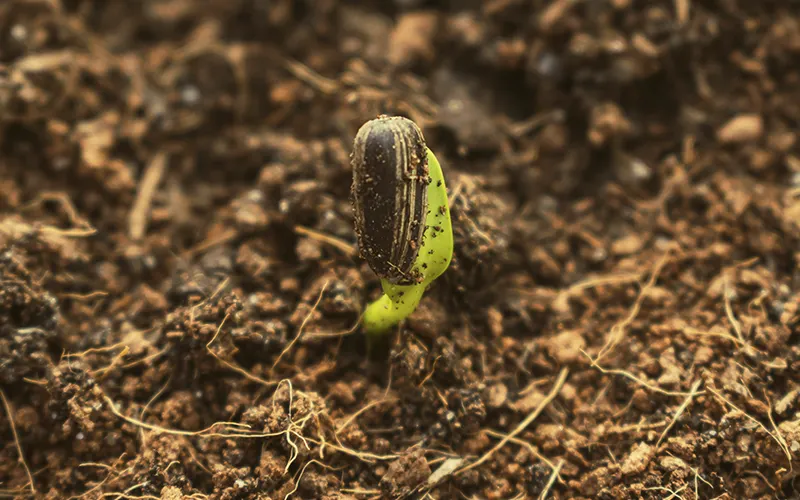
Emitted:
<point x="389" y="195"/>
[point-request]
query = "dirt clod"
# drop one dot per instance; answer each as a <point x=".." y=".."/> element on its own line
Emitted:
<point x="405" y="474"/>
<point x="742" y="128"/>
<point x="638" y="460"/>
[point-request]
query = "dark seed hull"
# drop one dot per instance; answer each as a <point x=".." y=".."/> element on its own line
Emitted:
<point x="390" y="180"/>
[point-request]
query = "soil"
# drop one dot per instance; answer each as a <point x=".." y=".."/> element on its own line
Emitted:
<point x="180" y="287"/>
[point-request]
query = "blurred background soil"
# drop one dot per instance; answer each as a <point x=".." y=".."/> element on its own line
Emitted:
<point x="179" y="281"/>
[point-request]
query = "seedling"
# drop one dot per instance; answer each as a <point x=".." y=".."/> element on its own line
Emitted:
<point x="402" y="216"/>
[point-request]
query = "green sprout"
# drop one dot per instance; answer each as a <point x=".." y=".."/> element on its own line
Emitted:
<point x="402" y="216"/>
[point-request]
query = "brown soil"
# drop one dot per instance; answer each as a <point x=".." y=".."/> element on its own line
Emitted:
<point x="179" y="280"/>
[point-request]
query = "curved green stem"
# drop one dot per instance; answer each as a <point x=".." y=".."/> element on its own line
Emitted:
<point x="392" y="307"/>
<point x="399" y="301"/>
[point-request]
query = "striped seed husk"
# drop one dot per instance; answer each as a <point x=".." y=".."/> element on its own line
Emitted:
<point x="389" y="195"/>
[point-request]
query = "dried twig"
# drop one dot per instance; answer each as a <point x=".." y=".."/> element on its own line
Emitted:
<point x="358" y="491"/>
<point x="673" y="493"/>
<point x="364" y="456"/>
<point x="355" y="415"/>
<point x="681" y="409"/>
<point x="776" y="436"/>
<point x="781" y="439"/>
<point x="68" y="233"/>
<point x="562" y="377"/>
<point x="552" y="480"/>
<point x="528" y="446"/>
<point x="311" y="77"/>
<point x="209" y="243"/>
<point x="737" y="327"/>
<point x="327" y="335"/>
<point x="112" y="470"/>
<point x="10" y="413"/>
<point x="619" y="330"/>
<point x="302" y="326"/>
<point x="300" y="476"/>
<point x="682" y="11"/>
<point x="144" y="196"/>
<point x="223" y="430"/>
<point x="627" y="374"/>
<point x="64" y="200"/>
<point x="147" y="407"/>
<point x="561" y="300"/>
<point x="342" y="245"/>
<point x="238" y="369"/>
<point x="694" y="332"/>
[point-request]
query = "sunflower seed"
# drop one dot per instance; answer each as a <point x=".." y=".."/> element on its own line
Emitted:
<point x="389" y="194"/>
